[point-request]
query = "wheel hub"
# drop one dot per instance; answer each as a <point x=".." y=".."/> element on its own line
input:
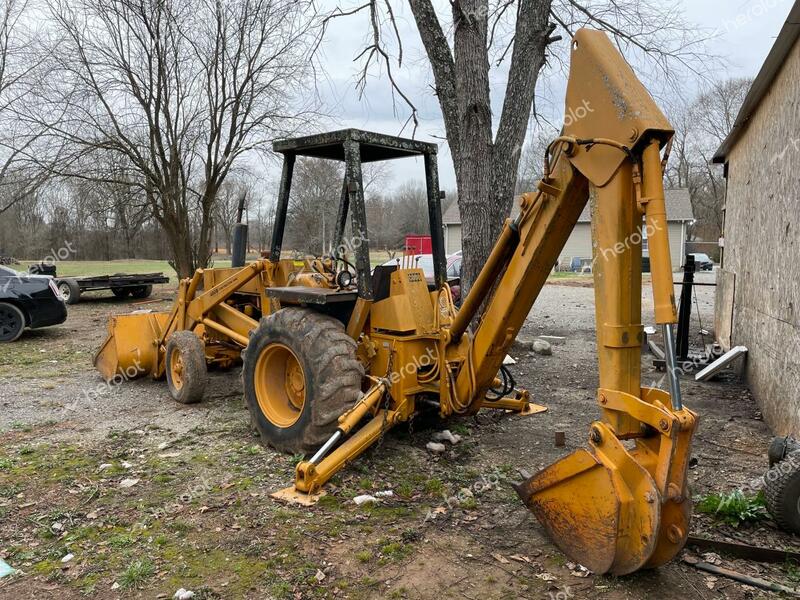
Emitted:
<point x="280" y="385"/>
<point x="7" y="323"/>
<point x="176" y="369"/>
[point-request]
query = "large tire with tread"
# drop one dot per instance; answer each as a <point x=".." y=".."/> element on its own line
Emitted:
<point x="70" y="291"/>
<point x="780" y="447"/>
<point x="782" y="493"/>
<point x="300" y="374"/>
<point x="12" y="322"/>
<point x="186" y="369"/>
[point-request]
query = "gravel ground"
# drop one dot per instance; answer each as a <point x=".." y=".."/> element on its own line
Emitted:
<point x="59" y="426"/>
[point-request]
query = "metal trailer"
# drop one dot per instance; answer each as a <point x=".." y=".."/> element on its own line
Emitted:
<point x="139" y="285"/>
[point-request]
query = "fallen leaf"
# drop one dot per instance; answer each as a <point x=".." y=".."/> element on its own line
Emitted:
<point x="520" y="558"/>
<point x="500" y="558"/>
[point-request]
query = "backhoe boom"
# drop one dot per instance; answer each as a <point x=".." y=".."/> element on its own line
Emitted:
<point x="614" y="508"/>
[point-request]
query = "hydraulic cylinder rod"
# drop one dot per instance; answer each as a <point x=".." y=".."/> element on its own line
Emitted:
<point x="497" y="261"/>
<point x="661" y="264"/>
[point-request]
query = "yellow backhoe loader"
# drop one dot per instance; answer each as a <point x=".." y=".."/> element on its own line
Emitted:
<point x="335" y="354"/>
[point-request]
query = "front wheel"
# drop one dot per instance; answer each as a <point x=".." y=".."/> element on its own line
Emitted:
<point x="187" y="373"/>
<point x="12" y="322"/>
<point x="300" y="373"/>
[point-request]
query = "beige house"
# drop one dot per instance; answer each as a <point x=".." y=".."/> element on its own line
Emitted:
<point x="758" y="293"/>
<point x="579" y="245"/>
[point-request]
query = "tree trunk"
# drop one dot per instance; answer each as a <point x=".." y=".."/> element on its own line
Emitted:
<point x="486" y="164"/>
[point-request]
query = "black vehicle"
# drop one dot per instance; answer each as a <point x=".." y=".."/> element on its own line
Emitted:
<point x="27" y="301"/>
<point x="702" y="262"/>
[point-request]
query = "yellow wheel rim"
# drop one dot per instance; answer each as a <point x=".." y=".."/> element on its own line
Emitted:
<point x="176" y="368"/>
<point x="280" y="385"/>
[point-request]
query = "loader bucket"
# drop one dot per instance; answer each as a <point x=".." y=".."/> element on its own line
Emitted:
<point x="131" y="348"/>
<point x="602" y="508"/>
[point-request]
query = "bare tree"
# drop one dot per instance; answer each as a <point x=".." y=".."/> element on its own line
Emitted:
<point x="518" y="36"/>
<point x="701" y="125"/>
<point x="233" y="193"/>
<point x="180" y="90"/>
<point x="17" y="179"/>
<point x="313" y="204"/>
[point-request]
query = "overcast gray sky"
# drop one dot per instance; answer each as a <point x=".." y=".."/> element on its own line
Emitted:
<point x="745" y="32"/>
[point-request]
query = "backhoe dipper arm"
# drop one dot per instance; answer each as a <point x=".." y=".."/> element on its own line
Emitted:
<point x="613" y="132"/>
<point x="613" y="508"/>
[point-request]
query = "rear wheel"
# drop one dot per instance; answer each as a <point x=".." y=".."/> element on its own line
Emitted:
<point x="120" y="292"/>
<point x="300" y="374"/>
<point x="142" y="291"/>
<point x="12" y="322"/>
<point x="70" y="291"/>
<point x="186" y="367"/>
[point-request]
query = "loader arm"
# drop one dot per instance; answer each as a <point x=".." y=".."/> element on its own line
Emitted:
<point x="614" y="508"/>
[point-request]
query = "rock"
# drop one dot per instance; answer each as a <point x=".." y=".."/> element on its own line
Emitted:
<point x="104" y="466"/>
<point x="542" y="347"/>
<point x="57" y="526"/>
<point x="115" y="586"/>
<point x="128" y="483"/>
<point x="67" y="558"/>
<point x="446" y="436"/>
<point x="364" y="498"/>
<point x="183" y="594"/>
<point x="384" y="494"/>
<point x="319" y="576"/>
<point x="523" y="344"/>
<point x="435" y="447"/>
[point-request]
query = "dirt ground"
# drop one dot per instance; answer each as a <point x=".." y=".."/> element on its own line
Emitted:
<point x="148" y="496"/>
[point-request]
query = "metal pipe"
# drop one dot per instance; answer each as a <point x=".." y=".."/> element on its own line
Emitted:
<point x="672" y="368"/>
<point x="497" y="261"/>
<point x="326" y="447"/>
<point x="238" y="337"/>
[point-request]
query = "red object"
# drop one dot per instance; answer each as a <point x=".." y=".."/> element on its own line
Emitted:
<point x="418" y="244"/>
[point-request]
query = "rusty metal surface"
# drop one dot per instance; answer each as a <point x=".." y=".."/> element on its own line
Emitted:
<point x="605" y="99"/>
<point x="374" y="146"/>
<point x="742" y="578"/>
<point x="757" y="553"/>
<point x="310" y="295"/>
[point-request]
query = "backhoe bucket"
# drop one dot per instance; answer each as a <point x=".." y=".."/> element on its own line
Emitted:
<point x="603" y="508"/>
<point x="131" y="348"/>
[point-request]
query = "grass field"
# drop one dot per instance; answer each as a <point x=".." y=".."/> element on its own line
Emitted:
<point x="78" y="268"/>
